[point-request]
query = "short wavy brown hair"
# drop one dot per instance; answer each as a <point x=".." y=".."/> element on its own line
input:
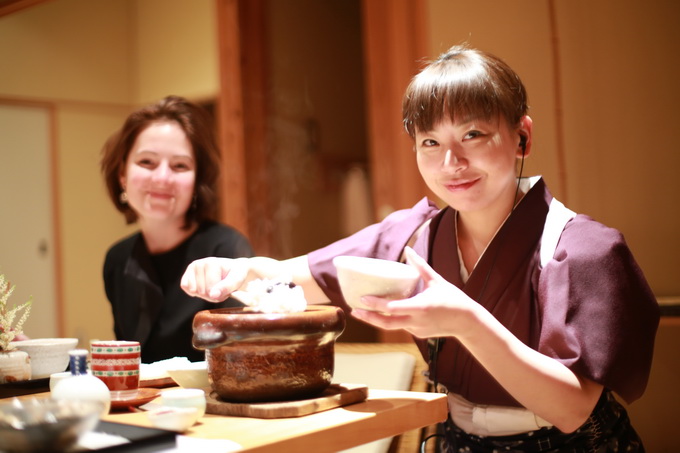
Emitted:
<point x="199" y="128"/>
<point x="463" y="84"/>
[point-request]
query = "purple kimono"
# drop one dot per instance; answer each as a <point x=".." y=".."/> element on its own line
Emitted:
<point x="590" y="308"/>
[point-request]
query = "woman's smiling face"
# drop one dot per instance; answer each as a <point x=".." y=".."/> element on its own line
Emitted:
<point x="470" y="165"/>
<point x="160" y="173"/>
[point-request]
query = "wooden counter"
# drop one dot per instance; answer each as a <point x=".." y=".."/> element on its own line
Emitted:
<point x="383" y="414"/>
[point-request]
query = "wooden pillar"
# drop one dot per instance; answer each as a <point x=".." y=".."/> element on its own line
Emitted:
<point x="233" y="181"/>
<point x="394" y="45"/>
<point x="242" y="117"/>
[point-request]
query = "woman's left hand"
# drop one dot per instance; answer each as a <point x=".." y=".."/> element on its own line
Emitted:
<point x="440" y="310"/>
<point x="540" y="383"/>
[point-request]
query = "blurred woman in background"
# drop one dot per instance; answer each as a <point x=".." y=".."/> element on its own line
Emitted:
<point x="161" y="171"/>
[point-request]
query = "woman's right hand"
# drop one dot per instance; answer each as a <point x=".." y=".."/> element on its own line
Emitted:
<point x="214" y="279"/>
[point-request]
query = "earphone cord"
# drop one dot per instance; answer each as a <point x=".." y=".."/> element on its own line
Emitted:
<point x="495" y="256"/>
<point x="434" y="349"/>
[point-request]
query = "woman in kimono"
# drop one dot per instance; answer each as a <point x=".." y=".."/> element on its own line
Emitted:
<point x="161" y="173"/>
<point x="530" y="316"/>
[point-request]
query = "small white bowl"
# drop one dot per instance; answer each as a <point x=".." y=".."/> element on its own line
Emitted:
<point x="173" y="418"/>
<point x="56" y="378"/>
<point x="48" y="355"/>
<point x="185" y="398"/>
<point x="361" y="276"/>
<point x="194" y="375"/>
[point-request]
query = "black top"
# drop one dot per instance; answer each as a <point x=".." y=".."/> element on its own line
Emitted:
<point x="147" y="302"/>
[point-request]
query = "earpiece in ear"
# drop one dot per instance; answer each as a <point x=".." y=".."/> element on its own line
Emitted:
<point x="523" y="143"/>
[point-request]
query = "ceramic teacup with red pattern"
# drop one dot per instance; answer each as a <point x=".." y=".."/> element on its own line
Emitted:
<point x="116" y="363"/>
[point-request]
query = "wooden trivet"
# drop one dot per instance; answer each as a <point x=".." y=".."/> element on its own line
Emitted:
<point x="336" y="395"/>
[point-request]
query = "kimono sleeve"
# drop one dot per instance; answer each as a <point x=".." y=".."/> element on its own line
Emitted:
<point x="385" y="240"/>
<point x="598" y="314"/>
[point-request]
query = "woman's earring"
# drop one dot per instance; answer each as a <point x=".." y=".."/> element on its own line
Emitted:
<point x="123" y="197"/>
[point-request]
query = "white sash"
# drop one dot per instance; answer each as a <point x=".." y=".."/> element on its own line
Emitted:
<point x="486" y="420"/>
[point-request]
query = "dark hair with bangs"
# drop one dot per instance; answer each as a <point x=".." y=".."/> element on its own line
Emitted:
<point x="198" y="126"/>
<point x="463" y="84"/>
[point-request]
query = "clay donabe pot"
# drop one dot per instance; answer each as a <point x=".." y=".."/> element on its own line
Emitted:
<point x="255" y="357"/>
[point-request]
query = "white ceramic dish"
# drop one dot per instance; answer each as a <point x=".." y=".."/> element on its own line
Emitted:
<point x="361" y="276"/>
<point x="173" y="418"/>
<point x="56" y="378"/>
<point x="185" y="398"/>
<point x="48" y="355"/>
<point x="194" y="375"/>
